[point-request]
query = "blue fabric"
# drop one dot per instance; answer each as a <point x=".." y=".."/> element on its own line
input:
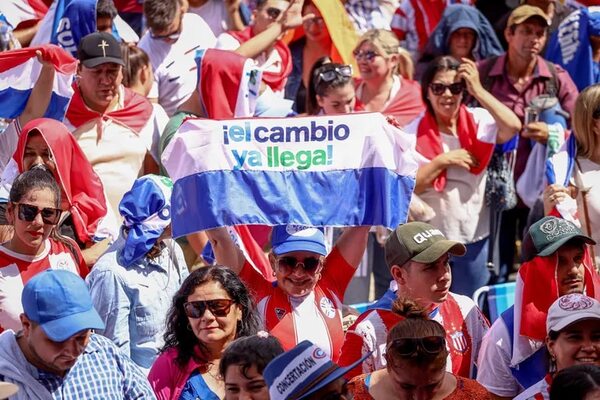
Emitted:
<point x="101" y="372"/>
<point x="570" y="46"/>
<point x="385" y="302"/>
<point x="372" y="196"/>
<point x="14" y="101"/>
<point x="500" y="297"/>
<point x="73" y="20"/>
<point x="458" y="16"/>
<point x="469" y="272"/>
<point x="134" y="300"/>
<point x="534" y="368"/>
<point x="146" y="210"/>
<point x="572" y="151"/>
<point x="195" y="388"/>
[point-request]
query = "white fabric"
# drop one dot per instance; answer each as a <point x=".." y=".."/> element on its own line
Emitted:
<point x="215" y="14"/>
<point x="534" y="392"/>
<point x="159" y="120"/>
<point x="8" y="144"/>
<point x="493" y="365"/>
<point x="460" y="208"/>
<point x="174" y="65"/>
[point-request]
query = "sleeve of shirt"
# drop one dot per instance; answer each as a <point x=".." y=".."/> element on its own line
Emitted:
<point x="337" y="273"/>
<point x="259" y="286"/>
<point x="487" y="129"/>
<point x="112" y="303"/>
<point x="493" y="365"/>
<point x="226" y="42"/>
<point x="354" y="347"/>
<point x="567" y="91"/>
<point x="135" y="383"/>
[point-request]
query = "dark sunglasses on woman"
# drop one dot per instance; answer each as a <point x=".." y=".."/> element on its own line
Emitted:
<point x="439" y="88"/>
<point x="368" y="55"/>
<point x="409" y="346"/>
<point x="218" y="307"/>
<point x="289" y="264"/>
<point x="28" y="212"/>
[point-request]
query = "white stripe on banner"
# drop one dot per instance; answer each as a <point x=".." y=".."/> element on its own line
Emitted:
<point x="343" y="170"/>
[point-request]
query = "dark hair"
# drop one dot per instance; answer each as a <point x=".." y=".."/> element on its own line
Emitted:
<point x="415" y="325"/>
<point x="250" y="351"/>
<point x="321" y="87"/>
<point x="180" y="337"/>
<point x="35" y="179"/>
<point x="106" y="8"/>
<point x="135" y="59"/>
<point x="439" y="64"/>
<point x="575" y="382"/>
<point x="160" y="14"/>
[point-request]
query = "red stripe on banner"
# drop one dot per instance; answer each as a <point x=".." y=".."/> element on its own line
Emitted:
<point x="63" y="62"/>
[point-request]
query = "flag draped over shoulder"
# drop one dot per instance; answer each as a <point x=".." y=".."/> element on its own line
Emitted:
<point x="19" y="71"/>
<point x="17" y="11"/>
<point x="348" y="170"/>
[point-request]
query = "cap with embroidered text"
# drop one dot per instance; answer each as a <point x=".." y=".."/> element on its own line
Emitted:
<point x="567" y="310"/>
<point x="99" y="48"/>
<point x="548" y="234"/>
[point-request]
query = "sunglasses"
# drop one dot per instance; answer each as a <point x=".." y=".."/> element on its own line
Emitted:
<point x="273" y="12"/>
<point x="439" y="88"/>
<point x="27" y="212"/>
<point x="410" y="346"/>
<point x="289" y="264"/>
<point x="368" y="55"/>
<point x="328" y="74"/>
<point x="218" y="307"/>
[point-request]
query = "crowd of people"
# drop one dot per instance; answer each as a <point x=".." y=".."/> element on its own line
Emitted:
<point x="107" y="293"/>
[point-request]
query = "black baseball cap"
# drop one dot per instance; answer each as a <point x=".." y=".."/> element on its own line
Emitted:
<point x="99" y="48"/>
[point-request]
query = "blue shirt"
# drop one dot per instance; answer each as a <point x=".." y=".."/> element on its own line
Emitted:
<point x="133" y="301"/>
<point x="101" y="372"/>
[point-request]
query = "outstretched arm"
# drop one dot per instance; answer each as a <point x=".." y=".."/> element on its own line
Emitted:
<point x="226" y="251"/>
<point x="39" y="99"/>
<point x="352" y="244"/>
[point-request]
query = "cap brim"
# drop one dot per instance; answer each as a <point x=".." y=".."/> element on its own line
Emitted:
<point x="556" y="245"/>
<point x="94" y="62"/>
<point x="61" y="329"/>
<point x="7" y="389"/>
<point x="438" y="249"/>
<point x="338" y="373"/>
<point x="299" y="245"/>
<point x="577" y="317"/>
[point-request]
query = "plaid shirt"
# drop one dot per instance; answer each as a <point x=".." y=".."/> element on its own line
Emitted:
<point x="366" y="14"/>
<point x="101" y="372"/>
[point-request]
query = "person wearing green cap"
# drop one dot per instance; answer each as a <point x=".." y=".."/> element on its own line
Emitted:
<point x="557" y="263"/>
<point x="418" y="256"/>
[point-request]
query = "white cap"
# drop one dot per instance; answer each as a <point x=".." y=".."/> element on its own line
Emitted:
<point x="569" y="309"/>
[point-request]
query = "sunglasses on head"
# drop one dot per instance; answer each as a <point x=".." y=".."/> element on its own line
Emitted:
<point x="367" y="55"/>
<point x="273" y="12"/>
<point x="409" y="346"/>
<point x="218" y="307"/>
<point x="28" y="212"/>
<point x="309" y="264"/>
<point x="439" y="88"/>
<point x="328" y="74"/>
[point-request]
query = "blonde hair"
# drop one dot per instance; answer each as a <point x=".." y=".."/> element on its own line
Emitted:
<point x="387" y="44"/>
<point x="583" y="121"/>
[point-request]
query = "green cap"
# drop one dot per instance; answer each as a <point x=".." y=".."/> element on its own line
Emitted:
<point x="548" y="234"/>
<point x="420" y="242"/>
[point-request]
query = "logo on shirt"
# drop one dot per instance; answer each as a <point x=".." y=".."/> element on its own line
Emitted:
<point x="459" y="342"/>
<point x="327" y="307"/>
<point x="280" y="312"/>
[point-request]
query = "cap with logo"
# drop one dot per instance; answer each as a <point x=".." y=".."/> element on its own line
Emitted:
<point x="301" y="371"/>
<point x="567" y="310"/>
<point x="99" y="48"/>
<point x="524" y="12"/>
<point x="548" y="234"/>
<point x="288" y="238"/>
<point x="59" y="301"/>
<point x="420" y="242"/>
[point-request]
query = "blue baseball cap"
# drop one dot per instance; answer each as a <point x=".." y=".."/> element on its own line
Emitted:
<point x="59" y="301"/>
<point x="301" y="371"/>
<point x="288" y="238"/>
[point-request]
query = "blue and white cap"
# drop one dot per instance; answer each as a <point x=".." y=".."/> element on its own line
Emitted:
<point x="288" y="238"/>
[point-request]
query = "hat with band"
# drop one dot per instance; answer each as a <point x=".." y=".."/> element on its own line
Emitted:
<point x="302" y="371"/>
<point x="550" y="233"/>
<point x="420" y="242"/>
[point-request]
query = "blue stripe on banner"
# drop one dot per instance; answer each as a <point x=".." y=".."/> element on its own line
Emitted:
<point x="369" y="196"/>
<point x="14" y="101"/>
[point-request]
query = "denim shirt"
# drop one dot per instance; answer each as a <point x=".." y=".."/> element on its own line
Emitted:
<point x="133" y="301"/>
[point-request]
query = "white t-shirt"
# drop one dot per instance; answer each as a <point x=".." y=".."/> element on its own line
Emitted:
<point x="159" y="120"/>
<point x="460" y="210"/>
<point x="215" y="14"/>
<point x="589" y="176"/>
<point x="174" y="65"/>
<point x="9" y="139"/>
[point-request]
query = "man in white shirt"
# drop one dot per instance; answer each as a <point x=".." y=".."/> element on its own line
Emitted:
<point x="172" y="39"/>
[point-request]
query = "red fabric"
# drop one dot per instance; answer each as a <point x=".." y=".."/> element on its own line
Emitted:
<point x="429" y="143"/>
<point x="276" y="81"/>
<point x="458" y="339"/>
<point x="540" y="290"/>
<point x="74" y="174"/>
<point x="131" y="6"/>
<point x="63" y="61"/>
<point x="253" y="251"/>
<point x="134" y="115"/>
<point x="167" y="377"/>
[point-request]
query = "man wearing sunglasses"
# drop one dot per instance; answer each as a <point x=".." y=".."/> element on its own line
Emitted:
<point x="262" y="42"/>
<point x="305" y="301"/>
<point x="171" y="42"/>
<point x="418" y="257"/>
